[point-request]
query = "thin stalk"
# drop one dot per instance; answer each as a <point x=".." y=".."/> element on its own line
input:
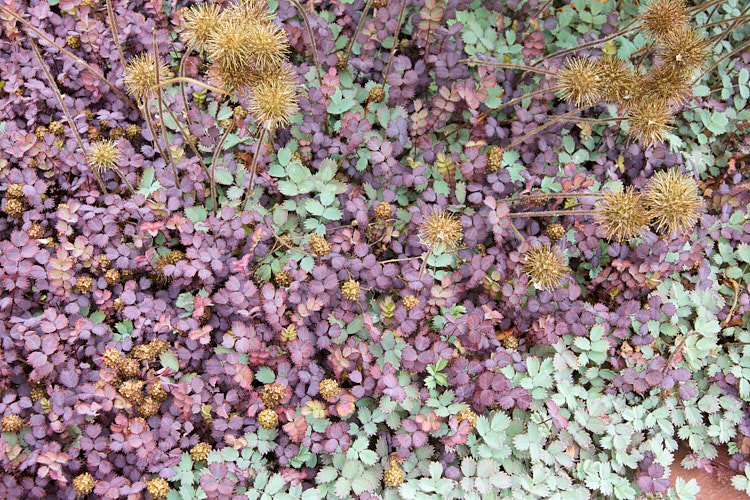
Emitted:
<point x="189" y="141"/>
<point x="80" y="61"/>
<point x="595" y="120"/>
<point x="627" y="29"/>
<point x="188" y="80"/>
<point x="424" y="263"/>
<point x="113" y="28"/>
<point x="508" y="65"/>
<point x="63" y="106"/>
<point x="181" y="74"/>
<point x="719" y="61"/>
<point x="553" y="213"/>
<point x="314" y="49"/>
<point x="704" y="6"/>
<point x="161" y="113"/>
<point x="517" y="233"/>
<point x="548" y="124"/>
<point x="122" y="176"/>
<point x="152" y="129"/>
<point x="359" y="28"/>
<point x="253" y="166"/>
<point x="214" y="160"/>
<point x="395" y="42"/>
<point x="547" y="196"/>
<point x="743" y="16"/>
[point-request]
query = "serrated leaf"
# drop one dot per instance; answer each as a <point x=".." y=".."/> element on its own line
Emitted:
<point x="196" y="214"/>
<point x="265" y="375"/>
<point x="169" y="360"/>
<point x="224" y="177"/>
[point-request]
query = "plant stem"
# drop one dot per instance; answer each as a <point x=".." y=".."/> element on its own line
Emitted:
<point x="188" y="80"/>
<point x="80" y="61"/>
<point x="189" y="141"/>
<point x="113" y="28"/>
<point x="424" y="263"/>
<point x="553" y="213"/>
<point x="546" y="196"/>
<point x="508" y="65"/>
<point x="395" y="42"/>
<point x="314" y="50"/>
<point x="122" y="176"/>
<point x="63" y="106"/>
<point x="253" y="166"/>
<point x="151" y="128"/>
<point x="161" y="113"/>
<point x="718" y="61"/>
<point x="214" y="160"/>
<point x="517" y="233"/>
<point x="181" y="74"/>
<point x="627" y="29"/>
<point x="548" y="124"/>
<point x="359" y="28"/>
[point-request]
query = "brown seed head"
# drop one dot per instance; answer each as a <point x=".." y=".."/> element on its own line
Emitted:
<point x="160" y="346"/>
<point x="685" y="50"/>
<point x="200" y="21"/>
<point x="140" y="75"/>
<point x="156" y="391"/>
<point x="649" y="120"/>
<point x="40" y="132"/>
<point x="149" y="407"/>
<point x="664" y="16"/>
<point x="622" y="214"/>
<point x="268" y="419"/>
<point x="673" y="201"/>
<point x="273" y="100"/>
<point x="15" y="191"/>
<point x="129" y="368"/>
<point x="272" y="394"/>
<point x="329" y="388"/>
<point x="56" y="128"/>
<point x="410" y="302"/>
<point x="440" y="231"/>
<point x="11" y="423"/>
<point x="13" y="207"/>
<point x="555" y="231"/>
<point x="36" y="231"/>
<point x="112" y="277"/>
<point x="664" y="83"/>
<point x="103" y="155"/>
<point x="282" y="278"/>
<point x="578" y="82"/>
<point x="377" y="94"/>
<point x="83" y="484"/>
<point x="112" y="358"/>
<point x="158" y="488"/>
<point x="133" y="131"/>
<point x="383" y="210"/>
<point x="132" y="390"/>
<point x="545" y="266"/>
<point x="319" y="245"/>
<point x="350" y="290"/>
<point x="393" y="476"/>
<point x="73" y="41"/>
<point x="200" y="452"/>
<point x="510" y="342"/>
<point x="84" y="284"/>
<point x="617" y="81"/>
<point x="495" y="159"/>
<point x="467" y="415"/>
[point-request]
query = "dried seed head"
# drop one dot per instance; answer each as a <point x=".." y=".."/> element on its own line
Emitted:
<point x="15" y="191"/>
<point x="617" y="82"/>
<point x="200" y="452"/>
<point x="440" y="231"/>
<point x="268" y="419"/>
<point x="133" y="131"/>
<point x="383" y="210"/>
<point x="555" y="231"/>
<point x="223" y="75"/>
<point x="622" y="214"/>
<point x="685" y="50"/>
<point x="282" y="278"/>
<point x="649" y="120"/>
<point x="545" y="266"/>
<point x="103" y="155"/>
<point x="664" y="16"/>
<point x="274" y="99"/>
<point x="377" y="94"/>
<point x="140" y="75"/>
<point x="227" y="43"/>
<point x="410" y="302"/>
<point x="665" y="83"/>
<point x="393" y="476"/>
<point x="495" y="159"/>
<point x="578" y="82"/>
<point x="149" y="407"/>
<point x="468" y="416"/>
<point x="329" y="388"/>
<point x="268" y="46"/>
<point x="350" y="290"/>
<point x="83" y="484"/>
<point x="11" y="423"/>
<point x="319" y="245"/>
<point x="673" y="201"/>
<point x="158" y="488"/>
<point x="200" y="21"/>
<point x="84" y="284"/>
<point x="13" y="207"/>
<point x="36" y="231"/>
<point x="73" y="41"/>
<point x="272" y="394"/>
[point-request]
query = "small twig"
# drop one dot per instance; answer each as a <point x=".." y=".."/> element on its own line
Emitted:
<point x="517" y="233"/>
<point x="188" y="80"/>
<point x="359" y="27"/>
<point x="424" y="263"/>
<point x="395" y="42"/>
<point x="314" y="49"/>
<point x="181" y="74"/>
<point x="507" y="65"/>
<point x="253" y="167"/>
<point x="113" y="28"/>
<point x="553" y="213"/>
<point x="161" y="113"/>
<point x="545" y="196"/>
<point x="214" y="160"/>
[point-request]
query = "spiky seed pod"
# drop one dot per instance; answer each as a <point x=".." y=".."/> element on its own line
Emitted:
<point x="117" y="133"/>
<point x="156" y="391"/>
<point x="140" y="75"/>
<point x="160" y="346"/>
<point x="36" y="231"/>
<point x="649" y="121"/>
<point x="350" y="290"/>
<point x="272" y="395"/>
<point x="200" y="452"/>
<point x="617" y="81"/>
<point x="133" y="131"/>
<point x="273" y="100"/>
<point x="282" y="278"/>
<point x="510" y="342"/>
<point x="578" y="82"/>
<point x="132" y="390"/>
<point x="83" y="484"/>
<point x="84" y="284"/>
<point x="410" y="302"/>
<point x="112" y="358"/>
<point x="661" y="17"/>
<point x="56" y="128"/>
<point x="666" y="84"/>
<point x="622" y="214"/>
<point x="227" y="43"/>
<point x="673" y="201"/>
<point x="377" y="94"/>
<point x="268" y="45"/>
<point x="329" y="388"/>
<point x="685" y="50"/>
<point x="545" y="266"/>
<point x="129" y="368"/>
<point x="149" y="407"/>
<point x="103" y="155"/>
<point x="495" y="159"/>
<point x="319" y="245"/>
<point x="158" y="488"/>
<point x="200" y="21"/>
<point x="40" y="132"/>
<point x="112" y="277"/>
<point x="555" y="231"/>
<point x="468" y="416"/>
<point x="11" y="423"/>
<point x="441" y="231"/>
<point x="383" y="210"/>
<point x="268" y="419"/>
<point x="15" y="191"/>
<point x="14" y="208"/>
<point x="73" y="41"/>
<point x="393" y="476"/>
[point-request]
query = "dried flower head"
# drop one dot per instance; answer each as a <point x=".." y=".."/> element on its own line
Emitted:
<point x="200" y="21"/>
<point x="268" y="45"/>
<point x="649" y="120"/>
<point x="350" y="290"/>
<point x="393" y="476"/>
<point x="200" y="452"/>
<point x="410" y="302"/>
<point x="665" y="83"/>
<point x="383" y="210"/>
<point x="673" y="201"/>
<point x="73" y="41"/>
<point x="495" y="158"/>
<point x="83" y="484"/>
<point x="545" y="266"/>
<point x="622" y="214"/>
<point x="319" y="246"/>
<point x="467" y="415"/>
<point x="274" y="99"/>
<point x="158" y="488"/>
<point x="578" y="82"/>
<point x="11" y="423"/>
<point x="268" y="419"/>
<point x="441" y="231"/>
<point x="140" y="75"/>
<point x="376" y="94"/>
<point x="555" y="231"/>
<point x="664" y="16"/>
<point x="103" y="155"/>
<point x="227" y="44"/>
<point x="329" y="388"/>
<point x="685" y="50"/>
<point x="13" y="207"/>
<point x="617" y="81"/>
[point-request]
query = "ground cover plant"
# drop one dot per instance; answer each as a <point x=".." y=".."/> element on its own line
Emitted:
<point x="381" y="249"/>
